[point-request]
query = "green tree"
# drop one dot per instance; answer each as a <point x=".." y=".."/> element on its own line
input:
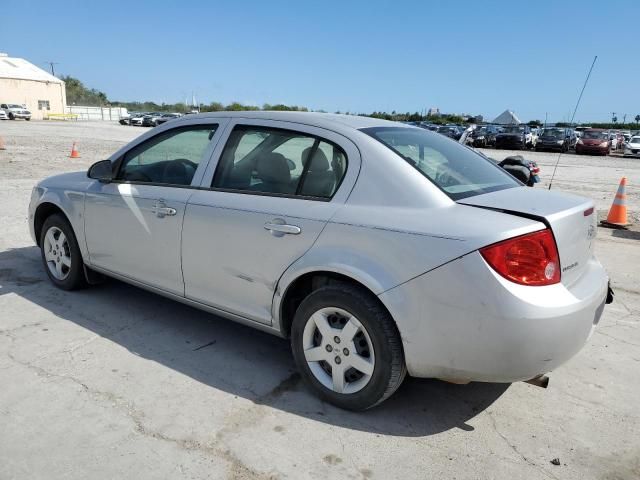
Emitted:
<point x="78" y="94"/>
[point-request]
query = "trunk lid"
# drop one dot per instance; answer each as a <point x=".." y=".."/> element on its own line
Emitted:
<point x="572" y="219"/>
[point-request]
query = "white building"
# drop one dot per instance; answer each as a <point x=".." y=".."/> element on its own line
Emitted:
<point x="23" y="83"/>
<point x="507" y="118"/>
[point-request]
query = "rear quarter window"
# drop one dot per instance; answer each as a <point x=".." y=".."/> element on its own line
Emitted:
<point x="457" y="170"/>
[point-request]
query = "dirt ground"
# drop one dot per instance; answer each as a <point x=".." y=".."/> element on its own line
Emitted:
<point x="115" y="382"/>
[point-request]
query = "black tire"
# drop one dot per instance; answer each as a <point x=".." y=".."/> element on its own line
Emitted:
<point x="389" y="369"/>
<point x="27" y="118"/>
<point x="11" y="116"/>
<point x="75" y="278"/>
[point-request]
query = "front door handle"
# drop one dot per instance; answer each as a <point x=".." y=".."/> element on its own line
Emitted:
<point x="161" y="210"/>
<point x="278" y="228"/>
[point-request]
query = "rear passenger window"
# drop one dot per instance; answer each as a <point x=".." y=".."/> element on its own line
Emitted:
<point x="275" y="161"/>
<point x="171" y="157"/>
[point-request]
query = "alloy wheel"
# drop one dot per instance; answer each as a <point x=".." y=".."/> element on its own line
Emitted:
<point x="338" y="350"/>
<point x="57" y="253"/>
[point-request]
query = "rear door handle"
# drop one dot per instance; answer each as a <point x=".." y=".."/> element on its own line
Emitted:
<point x="278" y="228"/>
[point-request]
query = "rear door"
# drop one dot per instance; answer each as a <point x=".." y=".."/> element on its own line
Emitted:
<point x="261" y="206"/>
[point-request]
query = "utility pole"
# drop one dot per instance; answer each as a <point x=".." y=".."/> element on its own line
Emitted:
<point x="51" y="64"/>
<point x="624" y="118"/>
<point x="613" y="117"/>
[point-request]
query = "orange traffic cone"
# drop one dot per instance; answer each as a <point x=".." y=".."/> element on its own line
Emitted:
<point x="617" y="217"/>
<point x="2" y="147"/>
<point x="74" y="151"/>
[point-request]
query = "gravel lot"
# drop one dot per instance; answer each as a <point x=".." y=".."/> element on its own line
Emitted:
<point x="114" y="382"/>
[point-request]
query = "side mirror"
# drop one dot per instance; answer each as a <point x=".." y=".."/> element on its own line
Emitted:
<point x="101" y="171"/>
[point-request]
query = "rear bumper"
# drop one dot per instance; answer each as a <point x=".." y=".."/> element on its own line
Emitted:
<point x="463" y="321"/>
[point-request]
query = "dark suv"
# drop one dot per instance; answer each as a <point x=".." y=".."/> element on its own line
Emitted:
<point x="514" y="137"/>
<point x="560" y="139"/>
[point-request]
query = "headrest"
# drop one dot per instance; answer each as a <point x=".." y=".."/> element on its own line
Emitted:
<point x="319" y="162"/>
<point x="273" y="168"/>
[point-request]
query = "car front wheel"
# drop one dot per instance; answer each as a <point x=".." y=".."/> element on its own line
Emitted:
<point x="61" y="255"/>
<point x="347" y="347"/>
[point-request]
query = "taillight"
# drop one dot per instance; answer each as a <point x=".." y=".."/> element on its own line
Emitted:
<point x="530" y="259"/>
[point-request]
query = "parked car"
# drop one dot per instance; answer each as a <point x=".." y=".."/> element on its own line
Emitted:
<point x="126" y="118"/>
<point x="515" y="137"/>
<point x="166" y="117"/>
<point x="378" y="248"/>
<point x="613" y="137"/>
<point x="484" y="136"/>
<point x="555" y="138"/>
<point x="15" y="111"/>
<point x="632" y="147"/>
<point x="594" y="141"/>
<point x="149" y="120"/>
<point x="429" y="126"/>
<point x="136" y="119"/>
<point x="451" y="131"/>
<point x="3" y="115"/>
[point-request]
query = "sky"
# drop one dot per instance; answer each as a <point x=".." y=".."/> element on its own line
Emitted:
<point x="356" y="56"/>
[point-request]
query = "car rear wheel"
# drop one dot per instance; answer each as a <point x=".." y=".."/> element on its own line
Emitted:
<point x="61" y="255"/>
<point x="347" y="347"/>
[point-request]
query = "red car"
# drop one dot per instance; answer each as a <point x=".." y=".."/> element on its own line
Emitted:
<point x="594" y="141"/>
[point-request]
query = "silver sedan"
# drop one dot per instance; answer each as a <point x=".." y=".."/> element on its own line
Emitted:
<point x="378" y="248"/>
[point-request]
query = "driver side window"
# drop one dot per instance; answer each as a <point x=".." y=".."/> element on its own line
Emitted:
<point x="170" y="158"/>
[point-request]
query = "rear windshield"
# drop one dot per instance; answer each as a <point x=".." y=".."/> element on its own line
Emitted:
<point x="456" y="170"/>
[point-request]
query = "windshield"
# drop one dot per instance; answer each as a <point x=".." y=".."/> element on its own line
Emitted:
<point x="553" y="133"/>
<point x="513" y="129"/>
<point x="595" y="135"/>
<point x="15" y="106"/>
<point x="457" y="170"/>
<point x="634" y="140"/>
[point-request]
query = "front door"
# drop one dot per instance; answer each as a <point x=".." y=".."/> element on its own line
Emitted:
<point x="133" y="225"/>
<point x="273" y="191"/>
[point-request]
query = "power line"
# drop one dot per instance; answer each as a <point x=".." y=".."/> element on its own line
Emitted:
<point x="51" y="64"/>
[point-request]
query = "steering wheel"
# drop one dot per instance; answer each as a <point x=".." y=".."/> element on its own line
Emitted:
<point x="186" y="162"/>
<point x="180" y="167"/>
<point x="137" y="176"/>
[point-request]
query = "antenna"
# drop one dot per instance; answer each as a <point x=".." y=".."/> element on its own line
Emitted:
<point x="51" y="64"/>
<point x="573" y="116"/>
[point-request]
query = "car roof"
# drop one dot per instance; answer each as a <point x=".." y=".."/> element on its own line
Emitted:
<point x="329" y="121"/>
